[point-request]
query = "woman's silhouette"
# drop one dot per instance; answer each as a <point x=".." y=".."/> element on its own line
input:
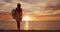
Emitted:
<point x="17" y="15"/>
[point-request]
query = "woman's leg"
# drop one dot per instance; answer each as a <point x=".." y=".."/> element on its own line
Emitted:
<point x="18" y="25"/>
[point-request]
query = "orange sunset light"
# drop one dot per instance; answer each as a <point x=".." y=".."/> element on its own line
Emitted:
<point x="26" y="18"/>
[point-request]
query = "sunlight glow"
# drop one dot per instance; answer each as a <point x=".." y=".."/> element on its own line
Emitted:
<point x="26" y="18"/>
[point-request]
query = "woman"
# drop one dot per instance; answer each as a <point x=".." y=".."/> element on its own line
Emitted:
<point x="17" y="15"/>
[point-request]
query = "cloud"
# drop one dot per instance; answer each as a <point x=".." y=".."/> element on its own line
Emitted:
<point x="43" y="7"/>
<point x="32" y="7"/>
<point x="40" y="7"/>
<point x="7" y="5"/>
<point x="47" y="8"/>
<point x="8" y="1"/>
<point x="53" y="5"/>
<point x="33" y="1"/>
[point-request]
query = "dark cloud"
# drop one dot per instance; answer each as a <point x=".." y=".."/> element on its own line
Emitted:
<point x="33" y="1"/>
<point x="53" y="5"/>
<point x="8" y="1"/>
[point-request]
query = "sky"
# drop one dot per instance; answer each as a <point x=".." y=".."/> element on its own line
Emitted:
<point x="41" y="10"/>
<point x="34" y="7"/>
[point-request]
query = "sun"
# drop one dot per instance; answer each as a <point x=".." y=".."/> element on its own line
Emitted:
<point x="26" y="18"/>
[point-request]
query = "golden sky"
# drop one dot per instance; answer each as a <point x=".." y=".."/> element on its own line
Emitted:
<point x="44" y="9"/>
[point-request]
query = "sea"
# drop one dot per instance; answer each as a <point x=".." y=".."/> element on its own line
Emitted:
<point x="31" y="25"/>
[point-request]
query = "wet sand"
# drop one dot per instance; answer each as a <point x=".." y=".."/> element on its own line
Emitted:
<point x="30" y="31"/>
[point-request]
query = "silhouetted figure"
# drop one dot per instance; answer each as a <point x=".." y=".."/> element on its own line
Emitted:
<point x="17" y="15"/>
